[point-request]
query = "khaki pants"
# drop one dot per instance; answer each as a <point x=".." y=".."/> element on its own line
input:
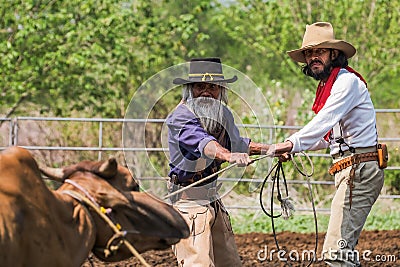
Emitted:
<point x="345" y="223"/>
<point x="211" y="241"/>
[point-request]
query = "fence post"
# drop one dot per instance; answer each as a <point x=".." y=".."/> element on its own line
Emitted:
<point x="13" y="132"/>
<point x="100" y="139"/>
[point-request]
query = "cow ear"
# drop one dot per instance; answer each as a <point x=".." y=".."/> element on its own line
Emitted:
<point x="108" y="169"/>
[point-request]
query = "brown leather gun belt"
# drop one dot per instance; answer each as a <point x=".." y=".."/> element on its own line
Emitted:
<point x="351" y="160"/>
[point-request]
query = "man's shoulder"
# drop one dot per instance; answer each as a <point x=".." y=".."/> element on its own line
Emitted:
<point x="180" y="113"/>
<point x="227" y="109"/>
<point x="228" y="113"/>
<point x="349" y="78"/>
<point x="181" y="110"/>
<point x="346" y="74"/>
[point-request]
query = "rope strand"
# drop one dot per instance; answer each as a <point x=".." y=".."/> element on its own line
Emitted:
<point x="209" y="177"/>
<point x="311" y="198"/>
<point x="286" y="205"/>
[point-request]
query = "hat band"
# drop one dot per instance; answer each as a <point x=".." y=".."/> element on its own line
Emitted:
<point x="204" y="75"/>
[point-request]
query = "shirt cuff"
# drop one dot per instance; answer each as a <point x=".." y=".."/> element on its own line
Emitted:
<point x="296" y="144"/>
<point x="244" y="145"/>
<point x="203" y="143"/>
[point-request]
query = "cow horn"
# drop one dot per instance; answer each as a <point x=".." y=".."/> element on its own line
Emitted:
<point x="56" y="174"/>
<point x="108" y="169"/>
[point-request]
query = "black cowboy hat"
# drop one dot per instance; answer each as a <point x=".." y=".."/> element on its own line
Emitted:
<point x="205" y="70"/>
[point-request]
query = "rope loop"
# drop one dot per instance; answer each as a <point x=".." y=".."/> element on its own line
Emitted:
<point x="303" y="171"/>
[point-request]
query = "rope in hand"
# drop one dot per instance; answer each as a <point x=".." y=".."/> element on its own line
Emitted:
<point x="209" y="177"/>
<point x="286" y="205"/>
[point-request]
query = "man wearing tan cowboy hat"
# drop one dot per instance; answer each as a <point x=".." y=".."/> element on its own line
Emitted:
<point x="344" y="122"/>
<point x="201" y="136"/>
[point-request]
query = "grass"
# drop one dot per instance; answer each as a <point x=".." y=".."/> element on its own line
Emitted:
<point x="259" y="222"/>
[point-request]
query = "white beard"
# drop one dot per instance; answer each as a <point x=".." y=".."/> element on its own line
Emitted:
<point x="210" y="111"/>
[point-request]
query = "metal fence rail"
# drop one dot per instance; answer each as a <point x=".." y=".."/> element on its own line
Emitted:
<point x="11" y="127"/>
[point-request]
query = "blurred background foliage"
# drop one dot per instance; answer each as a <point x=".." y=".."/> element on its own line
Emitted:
<point x="86" y="58"/>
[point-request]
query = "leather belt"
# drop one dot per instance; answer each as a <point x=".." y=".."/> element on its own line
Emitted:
<point x="196" y="177"/>
<point x="351" y="160"/>
<point x="208" y="191"/>
<point x="201" y="193"/>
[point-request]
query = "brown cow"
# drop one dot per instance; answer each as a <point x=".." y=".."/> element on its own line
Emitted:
<point x="42" y="227"/>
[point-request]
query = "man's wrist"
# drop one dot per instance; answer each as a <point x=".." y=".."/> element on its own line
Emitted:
<point x="213" y="150"/>
<point x="285" y="147"/>
<point x="258" y="148"/>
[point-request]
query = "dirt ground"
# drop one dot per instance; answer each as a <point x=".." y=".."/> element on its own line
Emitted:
<point x="376" y="248"/>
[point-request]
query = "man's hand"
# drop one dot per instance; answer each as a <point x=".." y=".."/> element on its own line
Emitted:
<point x="285" y="157"/>
<point x="214" y="150"/>
<point x="242" y="159"/>
<point x="280" y="149"/>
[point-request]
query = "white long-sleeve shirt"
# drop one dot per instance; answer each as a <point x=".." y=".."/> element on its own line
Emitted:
<point x="350" y="104"/>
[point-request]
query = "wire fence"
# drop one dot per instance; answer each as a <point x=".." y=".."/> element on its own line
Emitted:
<point x="22" y="131"/>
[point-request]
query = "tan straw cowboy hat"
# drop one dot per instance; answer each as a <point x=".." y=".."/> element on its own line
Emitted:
<point x="320" y="35"/>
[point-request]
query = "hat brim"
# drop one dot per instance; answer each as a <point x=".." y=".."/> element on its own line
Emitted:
<point x="181" y="81"/>
<point x="348" y="49"/>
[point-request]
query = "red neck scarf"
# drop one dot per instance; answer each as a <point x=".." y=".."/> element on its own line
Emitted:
<point x="324" y="90"/>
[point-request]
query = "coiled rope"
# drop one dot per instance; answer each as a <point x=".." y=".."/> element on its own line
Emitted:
<point x="286" y="205"/>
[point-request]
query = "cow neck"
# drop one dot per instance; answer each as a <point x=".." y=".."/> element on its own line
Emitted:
<point x="119" y="235"/>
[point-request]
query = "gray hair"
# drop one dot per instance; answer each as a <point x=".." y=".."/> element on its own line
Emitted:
<point x="187" y="92"/>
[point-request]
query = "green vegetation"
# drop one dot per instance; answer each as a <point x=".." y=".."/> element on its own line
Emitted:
<point x="258" y="222"/>
<point x="247" y="222"/>
<point x="103" y="51"/>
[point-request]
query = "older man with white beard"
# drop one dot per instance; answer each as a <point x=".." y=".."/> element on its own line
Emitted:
<point x="202" y="135"/>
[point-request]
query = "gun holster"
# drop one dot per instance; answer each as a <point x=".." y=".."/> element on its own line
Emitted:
<point x="383" y="156"/>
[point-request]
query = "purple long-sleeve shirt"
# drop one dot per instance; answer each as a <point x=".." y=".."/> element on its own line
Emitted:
<point x="187" y="139"/>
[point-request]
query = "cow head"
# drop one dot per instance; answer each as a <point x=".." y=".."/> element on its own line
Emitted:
<point x="148" y="222"/>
